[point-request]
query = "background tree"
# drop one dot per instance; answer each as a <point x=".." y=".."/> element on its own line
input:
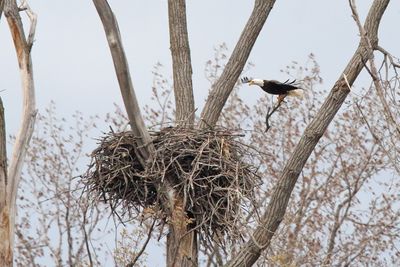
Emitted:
<point x="10" y="178"/>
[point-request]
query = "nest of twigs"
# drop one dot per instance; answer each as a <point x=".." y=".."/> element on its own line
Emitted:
<point x="206" y="168"/>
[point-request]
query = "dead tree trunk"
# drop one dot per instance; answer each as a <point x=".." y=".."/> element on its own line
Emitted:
<point x="275" y="211"/>
<point x="9" y="182"/>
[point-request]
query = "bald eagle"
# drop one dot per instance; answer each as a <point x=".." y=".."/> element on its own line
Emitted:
<point x="284" y="89"/>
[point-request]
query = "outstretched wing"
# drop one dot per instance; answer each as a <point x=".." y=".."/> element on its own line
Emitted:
<point x="245" y="79"/>
<point x="294" y="82"/>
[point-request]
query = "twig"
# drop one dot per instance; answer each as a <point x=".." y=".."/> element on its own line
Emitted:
<point x="373" y="71"/>
<point x="269" y="114"/>
<point x="131" y="264"/>
<point x="389" y="55"/>
<point x="33" y="18"/>
<point x="86" y="236"/>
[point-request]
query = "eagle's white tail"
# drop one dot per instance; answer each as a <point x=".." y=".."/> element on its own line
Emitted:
<point x="297" y="92"/>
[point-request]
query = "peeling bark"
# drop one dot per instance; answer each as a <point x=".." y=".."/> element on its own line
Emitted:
<point x="182" y="248"/>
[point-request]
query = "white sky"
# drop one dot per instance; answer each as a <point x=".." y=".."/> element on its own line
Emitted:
<point x="72" y="63"/>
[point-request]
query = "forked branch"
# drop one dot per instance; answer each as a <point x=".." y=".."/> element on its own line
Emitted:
<point x="23" y="49"/>
<point x="11" y="182"/>
<point x="280" y="196"/>
<point x="372" y="70"/>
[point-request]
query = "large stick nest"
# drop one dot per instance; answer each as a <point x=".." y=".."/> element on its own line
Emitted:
<point x="206" y="168"/>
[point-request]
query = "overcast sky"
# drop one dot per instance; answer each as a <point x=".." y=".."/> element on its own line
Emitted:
<point x="73" y="67"/>
<point x="72" y="63"/>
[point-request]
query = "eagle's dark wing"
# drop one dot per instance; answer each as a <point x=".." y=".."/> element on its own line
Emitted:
<point x="279" y="88"/>
<point x="245" y="79"/>
<point x="294" y="82"/>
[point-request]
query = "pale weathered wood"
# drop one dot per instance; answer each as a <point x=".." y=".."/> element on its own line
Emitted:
<point x="23" y="47"/>
<point x="222" y="88"/>
<point x="1" y="7"/>
<point x="275" y="211"/>
<point x="145" y="147"/>
<point x="181" y="63"/>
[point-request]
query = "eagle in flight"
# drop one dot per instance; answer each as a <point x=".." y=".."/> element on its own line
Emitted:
<point x="284" y="89"/>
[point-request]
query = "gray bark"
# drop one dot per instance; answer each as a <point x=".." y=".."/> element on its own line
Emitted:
<point x="222" y="88"/>
<point x="182" y="249"/>
<point x="181" y="63"/>
<point x="275" y="211"/>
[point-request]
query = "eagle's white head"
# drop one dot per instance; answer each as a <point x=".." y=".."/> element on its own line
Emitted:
<point x="258" y="82"/>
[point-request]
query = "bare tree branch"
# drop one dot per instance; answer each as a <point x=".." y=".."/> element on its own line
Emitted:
<point x="275" y="211"/>
<point x="373" y="71"/>
<point x="9" y="195"/>
<point x="22" y="47"/>
<point x="1" y="7"/>
<point x="222" y="88"/>
<point x="270" y="113"/>
<point x="132" y="264"/>
<point x="144" y="145"/>
<point x="181" y="62"/>
<point x="5" y="248"/>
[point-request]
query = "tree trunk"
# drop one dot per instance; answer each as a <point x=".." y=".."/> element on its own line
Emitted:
<point x="182" y="248"/>
<point x="275" y="211"/>
<point x="181" y="63"/>
<point x="6" y="251"/>
<point x="10" y="182"/>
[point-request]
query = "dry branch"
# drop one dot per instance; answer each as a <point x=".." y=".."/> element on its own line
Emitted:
<point x="373" y="71"/>
<point x="222" y="88"/>
<point x="143" y="140"/>
<point x="181" y="63"/>
<point x="270" y="112"/>
<point x="23" y="47"/>
<point x="1" y="7"/>
<point x="275" y="211"/>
